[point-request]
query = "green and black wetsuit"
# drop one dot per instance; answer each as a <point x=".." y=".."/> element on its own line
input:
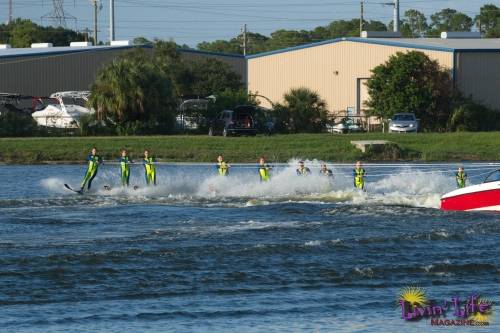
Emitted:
<point x="264" y="172"/>
<point x="93" y="166"/>
<point x="359" y="181"/>
<point x="125" y="170"/>
<point x="149" y="170"/>
<point x="461" y="177"/>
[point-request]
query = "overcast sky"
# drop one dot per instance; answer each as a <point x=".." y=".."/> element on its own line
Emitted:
<point x="193" y="21"/>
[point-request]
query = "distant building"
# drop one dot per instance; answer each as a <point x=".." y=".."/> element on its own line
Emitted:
<point x="43" y="70"/>
<point x="337" y="69"/>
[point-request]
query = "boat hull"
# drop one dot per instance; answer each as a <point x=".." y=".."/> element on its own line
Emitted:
<point x="478" y="197"/>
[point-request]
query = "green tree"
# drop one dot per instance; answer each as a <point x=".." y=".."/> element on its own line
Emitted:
<point x="467" y="115"/>
<point x="211" y="76"/>
<point x="167" y="58"/>
<point x="142" y="41"/>
<point x="343" y="28"/>
<point x="449" y="20"/>
<point x="287" y="38"/>
<point x="255" y="43"/>
<point x="414" y="24"/>
<point x="303" y="111"/>
<point x="489" y="19"/>
<point x="17" y="124"/>
<point x="222" y="46"/>
<point x="22" y="33"/>
<point x="132" y="89"/>
<point x="411" y="82"/>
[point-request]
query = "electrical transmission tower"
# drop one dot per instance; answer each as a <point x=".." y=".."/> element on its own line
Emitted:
<point x="58" y="16"/>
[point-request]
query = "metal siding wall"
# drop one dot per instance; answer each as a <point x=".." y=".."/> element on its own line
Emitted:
<point x="478" y="75"/>
<point x="314" y="68"/>
<point x="44" y="75"/>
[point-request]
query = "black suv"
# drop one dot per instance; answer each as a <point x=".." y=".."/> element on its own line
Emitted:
<point x="239" y="121"/>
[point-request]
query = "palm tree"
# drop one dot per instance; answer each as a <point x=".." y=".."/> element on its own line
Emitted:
<point x="133" y="88"/>
<point x="307" y="111"/>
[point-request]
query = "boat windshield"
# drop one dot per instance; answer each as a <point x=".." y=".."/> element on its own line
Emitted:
<point x="493" y="177"/>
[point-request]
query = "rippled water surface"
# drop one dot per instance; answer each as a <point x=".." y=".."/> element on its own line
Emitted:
<point x="209" y="254"/>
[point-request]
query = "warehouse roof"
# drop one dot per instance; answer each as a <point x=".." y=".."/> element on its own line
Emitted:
<point x="45" y="51"/>
<point x="57" y="50"/>
<point x="437" y="44"/>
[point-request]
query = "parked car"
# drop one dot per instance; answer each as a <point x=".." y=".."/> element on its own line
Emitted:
<point x="403" y="123"/>
<point x="239" y="121"/>
<point x="346" y="125"/>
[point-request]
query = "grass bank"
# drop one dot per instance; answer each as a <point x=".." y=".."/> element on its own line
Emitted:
<point x="277" y="148"/>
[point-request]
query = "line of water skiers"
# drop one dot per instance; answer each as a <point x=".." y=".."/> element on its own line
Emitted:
<point x="264" y="170"/>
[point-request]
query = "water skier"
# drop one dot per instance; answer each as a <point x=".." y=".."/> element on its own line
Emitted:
<point x="359" y="174"/>
<point x="302" y="170"/>
<point x="264" y="170"/>
<point x="222" y="167"/>
<point x="149" y="168"/>
<point x="93" y="165"/>
<point x="461" y="177"/>
<point x="324" y="171"/>
<point x="125" y="168"/>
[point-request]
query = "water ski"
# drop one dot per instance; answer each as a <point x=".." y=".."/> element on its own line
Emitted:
<point x="69" y="188"/>
<point x="108" y="188"/>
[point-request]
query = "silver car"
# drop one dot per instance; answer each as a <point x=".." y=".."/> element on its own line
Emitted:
<point x="403" y="123"/>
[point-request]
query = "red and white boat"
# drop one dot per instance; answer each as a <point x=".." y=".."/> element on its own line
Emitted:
<point x="485" y="196"/>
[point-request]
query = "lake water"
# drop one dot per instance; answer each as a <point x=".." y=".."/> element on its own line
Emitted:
<point x="209" y="254"/>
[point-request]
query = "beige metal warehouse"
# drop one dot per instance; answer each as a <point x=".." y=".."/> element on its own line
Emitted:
<point x="338" y="68"/>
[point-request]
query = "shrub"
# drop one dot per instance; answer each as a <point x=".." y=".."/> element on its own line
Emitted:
<point x="17" y="124"/>
<point x="303" y="111"/>
<point x="467" y="115"/>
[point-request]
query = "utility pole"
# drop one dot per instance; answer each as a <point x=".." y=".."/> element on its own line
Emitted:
<point x="361" y="19"/>
<point x="244" y="35"/>
<point x="95" y="22"/>
<point x="9" y="20"/>
<point x="111" y="20"/>
<point x="396" y="16"/>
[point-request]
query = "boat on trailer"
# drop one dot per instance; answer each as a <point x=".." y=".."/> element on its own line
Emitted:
<point x="66" y="112"/>
<point x="484" y="196"/>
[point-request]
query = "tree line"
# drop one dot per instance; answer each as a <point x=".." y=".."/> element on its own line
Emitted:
<point x="412" y="25"/>
<point x="24" y="32"/>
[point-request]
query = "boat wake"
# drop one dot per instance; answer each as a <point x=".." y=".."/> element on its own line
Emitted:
<point x="403" y="185"/>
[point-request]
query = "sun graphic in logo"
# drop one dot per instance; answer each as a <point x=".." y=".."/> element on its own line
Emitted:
<point x="486" y="316"/>
<point x="413" y="295"/>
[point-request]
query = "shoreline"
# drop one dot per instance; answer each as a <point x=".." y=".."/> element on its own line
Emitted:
<point x="173" y="163"/>
<point x="460" y="147"/>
